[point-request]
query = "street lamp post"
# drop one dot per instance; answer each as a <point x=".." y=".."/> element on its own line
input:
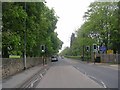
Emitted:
<point x="24" y="58"/>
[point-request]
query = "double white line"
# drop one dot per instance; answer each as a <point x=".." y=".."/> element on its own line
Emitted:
<point x="103" y="84"/>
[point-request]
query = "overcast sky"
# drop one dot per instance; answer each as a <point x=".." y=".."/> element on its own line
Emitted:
<point x="71" y="16"/>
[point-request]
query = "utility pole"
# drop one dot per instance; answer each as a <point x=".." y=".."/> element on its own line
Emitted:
<point x="24" y="58"/>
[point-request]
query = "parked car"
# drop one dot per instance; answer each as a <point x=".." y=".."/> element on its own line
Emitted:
<point x="54" y="58"/>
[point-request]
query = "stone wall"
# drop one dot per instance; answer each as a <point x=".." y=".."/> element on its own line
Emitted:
<point x="13" y="66"/>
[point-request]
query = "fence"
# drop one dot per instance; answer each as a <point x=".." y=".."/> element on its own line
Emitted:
<point x="13" y="66"/>
<point x="108" y="58"/>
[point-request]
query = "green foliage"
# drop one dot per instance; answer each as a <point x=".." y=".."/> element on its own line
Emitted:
<point x="65" y="52"/>
<point x="35" y="21"/>
<point x="74" y="57"/>
<point x="101" y="26"/>
<point x="14" y="56"/>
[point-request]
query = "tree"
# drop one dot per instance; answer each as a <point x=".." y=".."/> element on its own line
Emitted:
<point x="36" y="20"/>
<point x="65" y="52"/>
<point x="100" y="26"/>
<point x="13" y="17"/>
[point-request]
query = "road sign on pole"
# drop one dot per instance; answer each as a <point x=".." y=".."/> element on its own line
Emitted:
<point x="103" y="49"/>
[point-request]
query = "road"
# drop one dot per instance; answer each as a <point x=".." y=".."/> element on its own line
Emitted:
<point x="67" y="73"/>
<point x="105" y="75"/>
<point x="101" y="74"/>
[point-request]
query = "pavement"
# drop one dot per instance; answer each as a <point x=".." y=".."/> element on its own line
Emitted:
<point x="18" y="79"/>
<point x="111" y="66"/>
<point x="66" y="77"/>
<point x="107" y="65"/>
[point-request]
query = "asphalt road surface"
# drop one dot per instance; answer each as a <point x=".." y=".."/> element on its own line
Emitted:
<point x="65" y="74"/>
<point x="104" y="75"/>
<point x="68" y="73"/>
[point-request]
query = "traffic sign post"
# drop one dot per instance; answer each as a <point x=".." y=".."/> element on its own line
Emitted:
<point x="43" y="48"/>
<point x="43" y="52"/>
<point x="103" y="49"/>
<point x="94" y="48"/>
<point x="88" y="50"/>
<point x="94" y="51"/>
<point x="109" y="51"/>
<point x="94" y="57"/>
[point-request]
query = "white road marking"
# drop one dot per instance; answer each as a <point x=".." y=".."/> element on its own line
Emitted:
<point x="41" y="75"/>
<point x="32" y="84"/>
<point x="103" y="84"/>
<point x="94" y="78"/>
<point x="98" y="80"/>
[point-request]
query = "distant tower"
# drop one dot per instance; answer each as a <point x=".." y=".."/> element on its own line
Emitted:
<point x="72" y="39"/>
